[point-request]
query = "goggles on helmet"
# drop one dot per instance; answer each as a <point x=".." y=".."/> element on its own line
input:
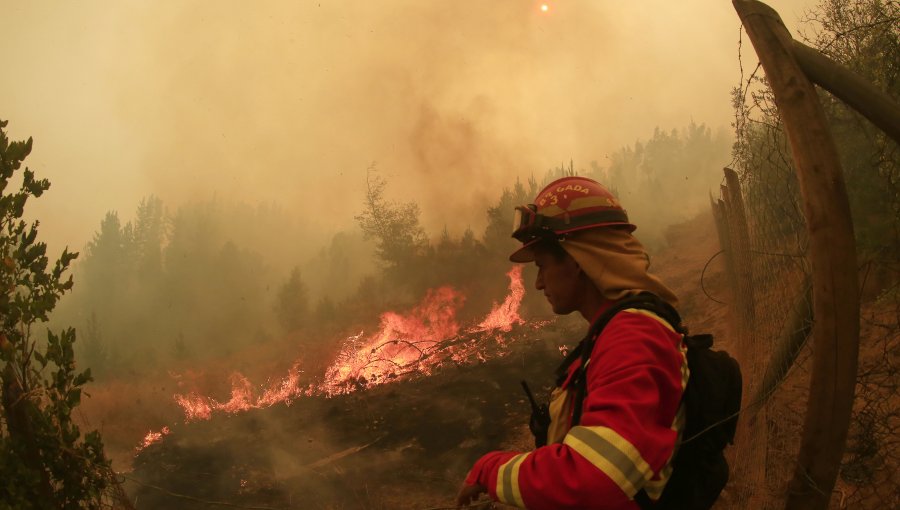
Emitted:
<point x="528" y="224"/>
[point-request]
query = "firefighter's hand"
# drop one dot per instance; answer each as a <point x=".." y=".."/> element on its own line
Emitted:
<point x="469" y="493"/>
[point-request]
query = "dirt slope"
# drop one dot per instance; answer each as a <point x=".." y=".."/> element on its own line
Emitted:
<point x="403" y="445"/>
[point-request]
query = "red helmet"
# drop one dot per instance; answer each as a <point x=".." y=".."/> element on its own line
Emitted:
<point x="566" y="205"/>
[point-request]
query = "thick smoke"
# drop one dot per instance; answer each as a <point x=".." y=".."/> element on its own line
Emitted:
<point x="291" y="101"/>
<point x="278" y="109"/>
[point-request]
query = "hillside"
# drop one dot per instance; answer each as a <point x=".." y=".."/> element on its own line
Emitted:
<point x="405" y="444"/>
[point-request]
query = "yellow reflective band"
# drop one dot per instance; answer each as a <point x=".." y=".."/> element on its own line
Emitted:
<point x="552" y="211"/>
<point x="678" y="423"/>
<point x="508" y="482"/>
<point x="585" y="202"/>
<point x="655" y="488"/>
<point x="685" y="371"/>
<point x="613" y="455"/>
<point x="653" y="316"/>
<point x="560" y="408"/>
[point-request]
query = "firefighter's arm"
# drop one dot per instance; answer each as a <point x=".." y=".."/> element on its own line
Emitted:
<point x="481" y="474"/>
<point x="469" y="493"/>
<point x="626" y="434"/>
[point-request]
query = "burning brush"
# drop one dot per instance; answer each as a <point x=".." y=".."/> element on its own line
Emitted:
<point x="419" y="341"/>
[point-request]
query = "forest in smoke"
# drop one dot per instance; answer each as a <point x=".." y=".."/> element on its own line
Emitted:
<point x="209" y="278"/>
<point x="173" y="298"/>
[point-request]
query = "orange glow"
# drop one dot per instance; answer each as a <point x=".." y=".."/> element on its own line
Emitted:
<point x="545" y="7"/>
<point x="398" y="346"/>
<point x="152" y="438"/>
<point x="505" y="315"/>
<point x="418" y="341"/>
<point x="198" y="407"/>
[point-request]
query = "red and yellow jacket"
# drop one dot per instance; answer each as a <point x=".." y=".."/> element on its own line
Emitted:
<point x="631" y="421"/>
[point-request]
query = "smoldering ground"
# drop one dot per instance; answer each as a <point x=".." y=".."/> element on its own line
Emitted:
<point x="406" y="444"/>
<point x="399" y="445"/>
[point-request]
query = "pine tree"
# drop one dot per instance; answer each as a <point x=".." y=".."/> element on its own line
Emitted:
<point x="292" y="307"/>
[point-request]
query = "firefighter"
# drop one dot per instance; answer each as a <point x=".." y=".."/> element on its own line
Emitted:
<point x="579" y="237"/>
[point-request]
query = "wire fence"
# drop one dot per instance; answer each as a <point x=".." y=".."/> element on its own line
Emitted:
<point x="763" y="236"/>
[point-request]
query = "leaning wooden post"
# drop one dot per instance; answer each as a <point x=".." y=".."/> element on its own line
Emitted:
<point x="751" y="428"/>
<point x="720" y="223"/>
<point x="749" y="474"/>
<point x="720" y="215"/>
<point x="718" y="211"/>
<point x="832" y="257"/>
<point x="727" y="234"/>
<point x="740" y="241"/>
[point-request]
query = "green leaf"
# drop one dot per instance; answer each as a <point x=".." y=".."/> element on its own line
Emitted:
<point x="82" y="378"/>
<point x="74" y="464"/>
<point x="74" y="398"/>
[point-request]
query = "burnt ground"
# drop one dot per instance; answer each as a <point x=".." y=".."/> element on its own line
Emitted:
<point x="402" y="445"/>
<point x="407" y="444"/>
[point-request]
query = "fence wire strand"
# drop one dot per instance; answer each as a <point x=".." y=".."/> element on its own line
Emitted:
<point x="777" y="309"/>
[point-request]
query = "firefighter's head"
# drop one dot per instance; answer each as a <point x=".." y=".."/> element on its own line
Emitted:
<point x="579" y="236"/>
<point x="563" y="207"/>
<point x="559" y="277"/>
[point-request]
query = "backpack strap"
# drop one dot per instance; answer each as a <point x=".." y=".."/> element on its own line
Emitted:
<point x="643" y="301"/>
<point x="562" y="371"/>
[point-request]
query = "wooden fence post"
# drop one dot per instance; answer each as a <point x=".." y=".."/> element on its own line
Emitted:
<point x="740" y="244"/>
<point x="832" y="256"/>
<point x="720" y="215"/>
<point x="749" y="478"/>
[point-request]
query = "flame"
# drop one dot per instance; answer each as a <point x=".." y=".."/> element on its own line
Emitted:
<point x="505" y="315"/>
<point x="198" y="407"/>
<point x="399" y="344"/>
<point x="152" y="438"/>
<point x="286" y="390"/>
<point x="418" y="341"/>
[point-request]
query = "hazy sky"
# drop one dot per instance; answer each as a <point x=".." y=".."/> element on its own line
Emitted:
<point x="291" y="101"/>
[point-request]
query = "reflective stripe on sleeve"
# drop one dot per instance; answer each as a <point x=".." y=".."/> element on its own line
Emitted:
<point x="613" y="455"/>
<point x="508" y="482"/>
<point x="656" y="486"/>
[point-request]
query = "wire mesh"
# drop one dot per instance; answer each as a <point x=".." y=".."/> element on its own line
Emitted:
<point x="771" y="304"/>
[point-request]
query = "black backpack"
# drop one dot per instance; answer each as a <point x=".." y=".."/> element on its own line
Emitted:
<point x="712" y="402"/>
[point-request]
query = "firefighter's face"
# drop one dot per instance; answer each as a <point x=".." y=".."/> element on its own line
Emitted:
<point x="560" y="277"/>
